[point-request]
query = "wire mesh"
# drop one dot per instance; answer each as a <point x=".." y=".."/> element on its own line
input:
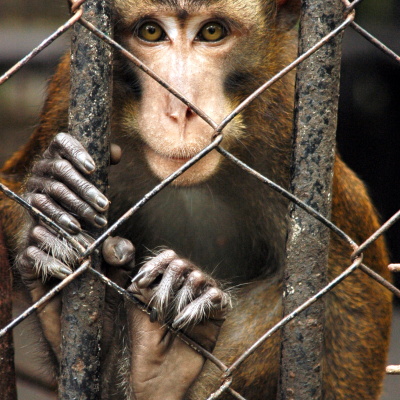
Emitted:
<point x="355" y="250"/>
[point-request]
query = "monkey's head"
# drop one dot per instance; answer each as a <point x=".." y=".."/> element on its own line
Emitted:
<point x="215" y="53"/>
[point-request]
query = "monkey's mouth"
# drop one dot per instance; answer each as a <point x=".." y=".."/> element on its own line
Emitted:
<point x="162" y="165"/>
<point x="175" y="157"/>
<point x="180" y="159"/>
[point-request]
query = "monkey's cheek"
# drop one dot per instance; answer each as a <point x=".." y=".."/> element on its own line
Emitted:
<point x="162" y="167"/>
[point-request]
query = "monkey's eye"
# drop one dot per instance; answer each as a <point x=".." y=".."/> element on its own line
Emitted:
<point x="212" y="32"/>
<point x="151" y="32"/>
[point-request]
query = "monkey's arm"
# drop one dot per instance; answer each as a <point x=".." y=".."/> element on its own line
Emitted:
<point x="162" y="365"/>
<point x="57" y="187"/>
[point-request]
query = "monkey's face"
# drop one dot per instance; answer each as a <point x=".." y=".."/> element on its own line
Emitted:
<point x="197" y="49"/>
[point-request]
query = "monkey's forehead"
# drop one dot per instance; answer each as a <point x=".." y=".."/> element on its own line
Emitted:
<point x="249" y="11"/>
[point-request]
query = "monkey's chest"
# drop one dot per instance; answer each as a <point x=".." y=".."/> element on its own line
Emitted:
<point x="203" y="229"/>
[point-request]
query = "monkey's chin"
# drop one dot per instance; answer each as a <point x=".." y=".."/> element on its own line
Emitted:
<point x="163" y="166"/>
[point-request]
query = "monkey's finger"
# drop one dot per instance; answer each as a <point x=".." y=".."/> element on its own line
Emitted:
<point x="63" y="171"/>
<point x="59" y="215"/>
<point x="68" y="199"/>
<point x="65" y="146"/>
<point x="44" y="204"/>
<point x="153" y="268"/>
<point x="55" y="247"/>
<point x="34" y="263"/>
<point x="115" y="154"/>
<point x="44" y="239"/>
<point x="118" y="252"/>
<point x="212" y="304"/>
<point x="172" y="280"/>
<point x="192" y="288"/>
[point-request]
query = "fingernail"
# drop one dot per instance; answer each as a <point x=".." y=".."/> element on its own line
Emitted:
<point x="101" y="221"/>
<point x="139" y="276"/>
<point x="89" y="165"/>
<point x="119" y="252"/>
<point x="69" y="223"/>
<point x="177" y="322"/>
<point x="101" y="201"/>
<point x="74" y="227"/>
<point x="65" y="270"/>
<point x="153" y="315"/>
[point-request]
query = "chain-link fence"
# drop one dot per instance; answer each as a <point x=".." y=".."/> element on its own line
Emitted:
<point x="311" y="40"/>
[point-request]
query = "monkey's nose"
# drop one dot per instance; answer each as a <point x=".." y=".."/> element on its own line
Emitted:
<point x="182" y="114"/>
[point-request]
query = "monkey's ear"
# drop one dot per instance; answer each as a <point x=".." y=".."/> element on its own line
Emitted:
<point x="288" y="12"/>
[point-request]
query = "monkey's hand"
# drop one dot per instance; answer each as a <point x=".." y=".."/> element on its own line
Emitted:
<point x="57" y="186"/>
<point x="163" y="366"/>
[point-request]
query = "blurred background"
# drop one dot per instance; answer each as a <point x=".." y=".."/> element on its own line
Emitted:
<point x="368" y="128"/>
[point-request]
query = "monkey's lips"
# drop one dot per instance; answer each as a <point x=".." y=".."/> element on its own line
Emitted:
<point x="180" y="159"/>
<point x="173" y="157"/>
<point x="164" y="165"/>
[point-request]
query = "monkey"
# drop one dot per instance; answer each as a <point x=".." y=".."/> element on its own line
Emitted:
<point x="208" y="251"/>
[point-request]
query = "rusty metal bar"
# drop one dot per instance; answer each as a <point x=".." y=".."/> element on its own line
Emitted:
<point x="89" y="121"/>
<point x="8" y="387"/>
<point x="317" y="91"/>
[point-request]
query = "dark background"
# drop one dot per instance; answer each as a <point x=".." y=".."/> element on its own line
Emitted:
<point x="368" y="125"/>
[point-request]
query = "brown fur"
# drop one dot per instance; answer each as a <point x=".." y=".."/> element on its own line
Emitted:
<point x="234" y="215"/>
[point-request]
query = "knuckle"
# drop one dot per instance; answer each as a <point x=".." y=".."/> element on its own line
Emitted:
<point x="28" y="197"/>
<point x="38" y="232"/>
<point x="60" y="140"/>
<point x="32" y="183"/>
<point x="45" y="205"/>
<point x="61" y="167"/>
<point x="168" y="255"/>
<point x="177" y="266"/>
<point x="56" y="189"/>
<point x="215" y="294"/>
<point x="76" y="205"/>
<point x="38" y="200"/>
<point x="88" y="189"/>
<point x="32" y="253"/>
<point x="196" y="280"/>
<point x="37" y="169"/>
<point x="84" y="210"/>
<point x="196" y="276"/>
<point x="54" y="186"/>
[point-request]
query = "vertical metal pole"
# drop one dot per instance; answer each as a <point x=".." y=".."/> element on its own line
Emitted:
<point x="317" y="91"/>
<point x="8" y="389"/>
<point x="89" y="121"/>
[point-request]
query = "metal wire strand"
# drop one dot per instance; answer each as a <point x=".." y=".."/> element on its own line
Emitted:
<point x="357" y="254"/>
<point x="62" y="29"/>
<point x="375" y="42"/>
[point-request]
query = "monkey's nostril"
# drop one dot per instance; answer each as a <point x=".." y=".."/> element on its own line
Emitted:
<point x="190" y="113"/>
<point x="182" y="114"/>
<point x="174" y="115"/>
